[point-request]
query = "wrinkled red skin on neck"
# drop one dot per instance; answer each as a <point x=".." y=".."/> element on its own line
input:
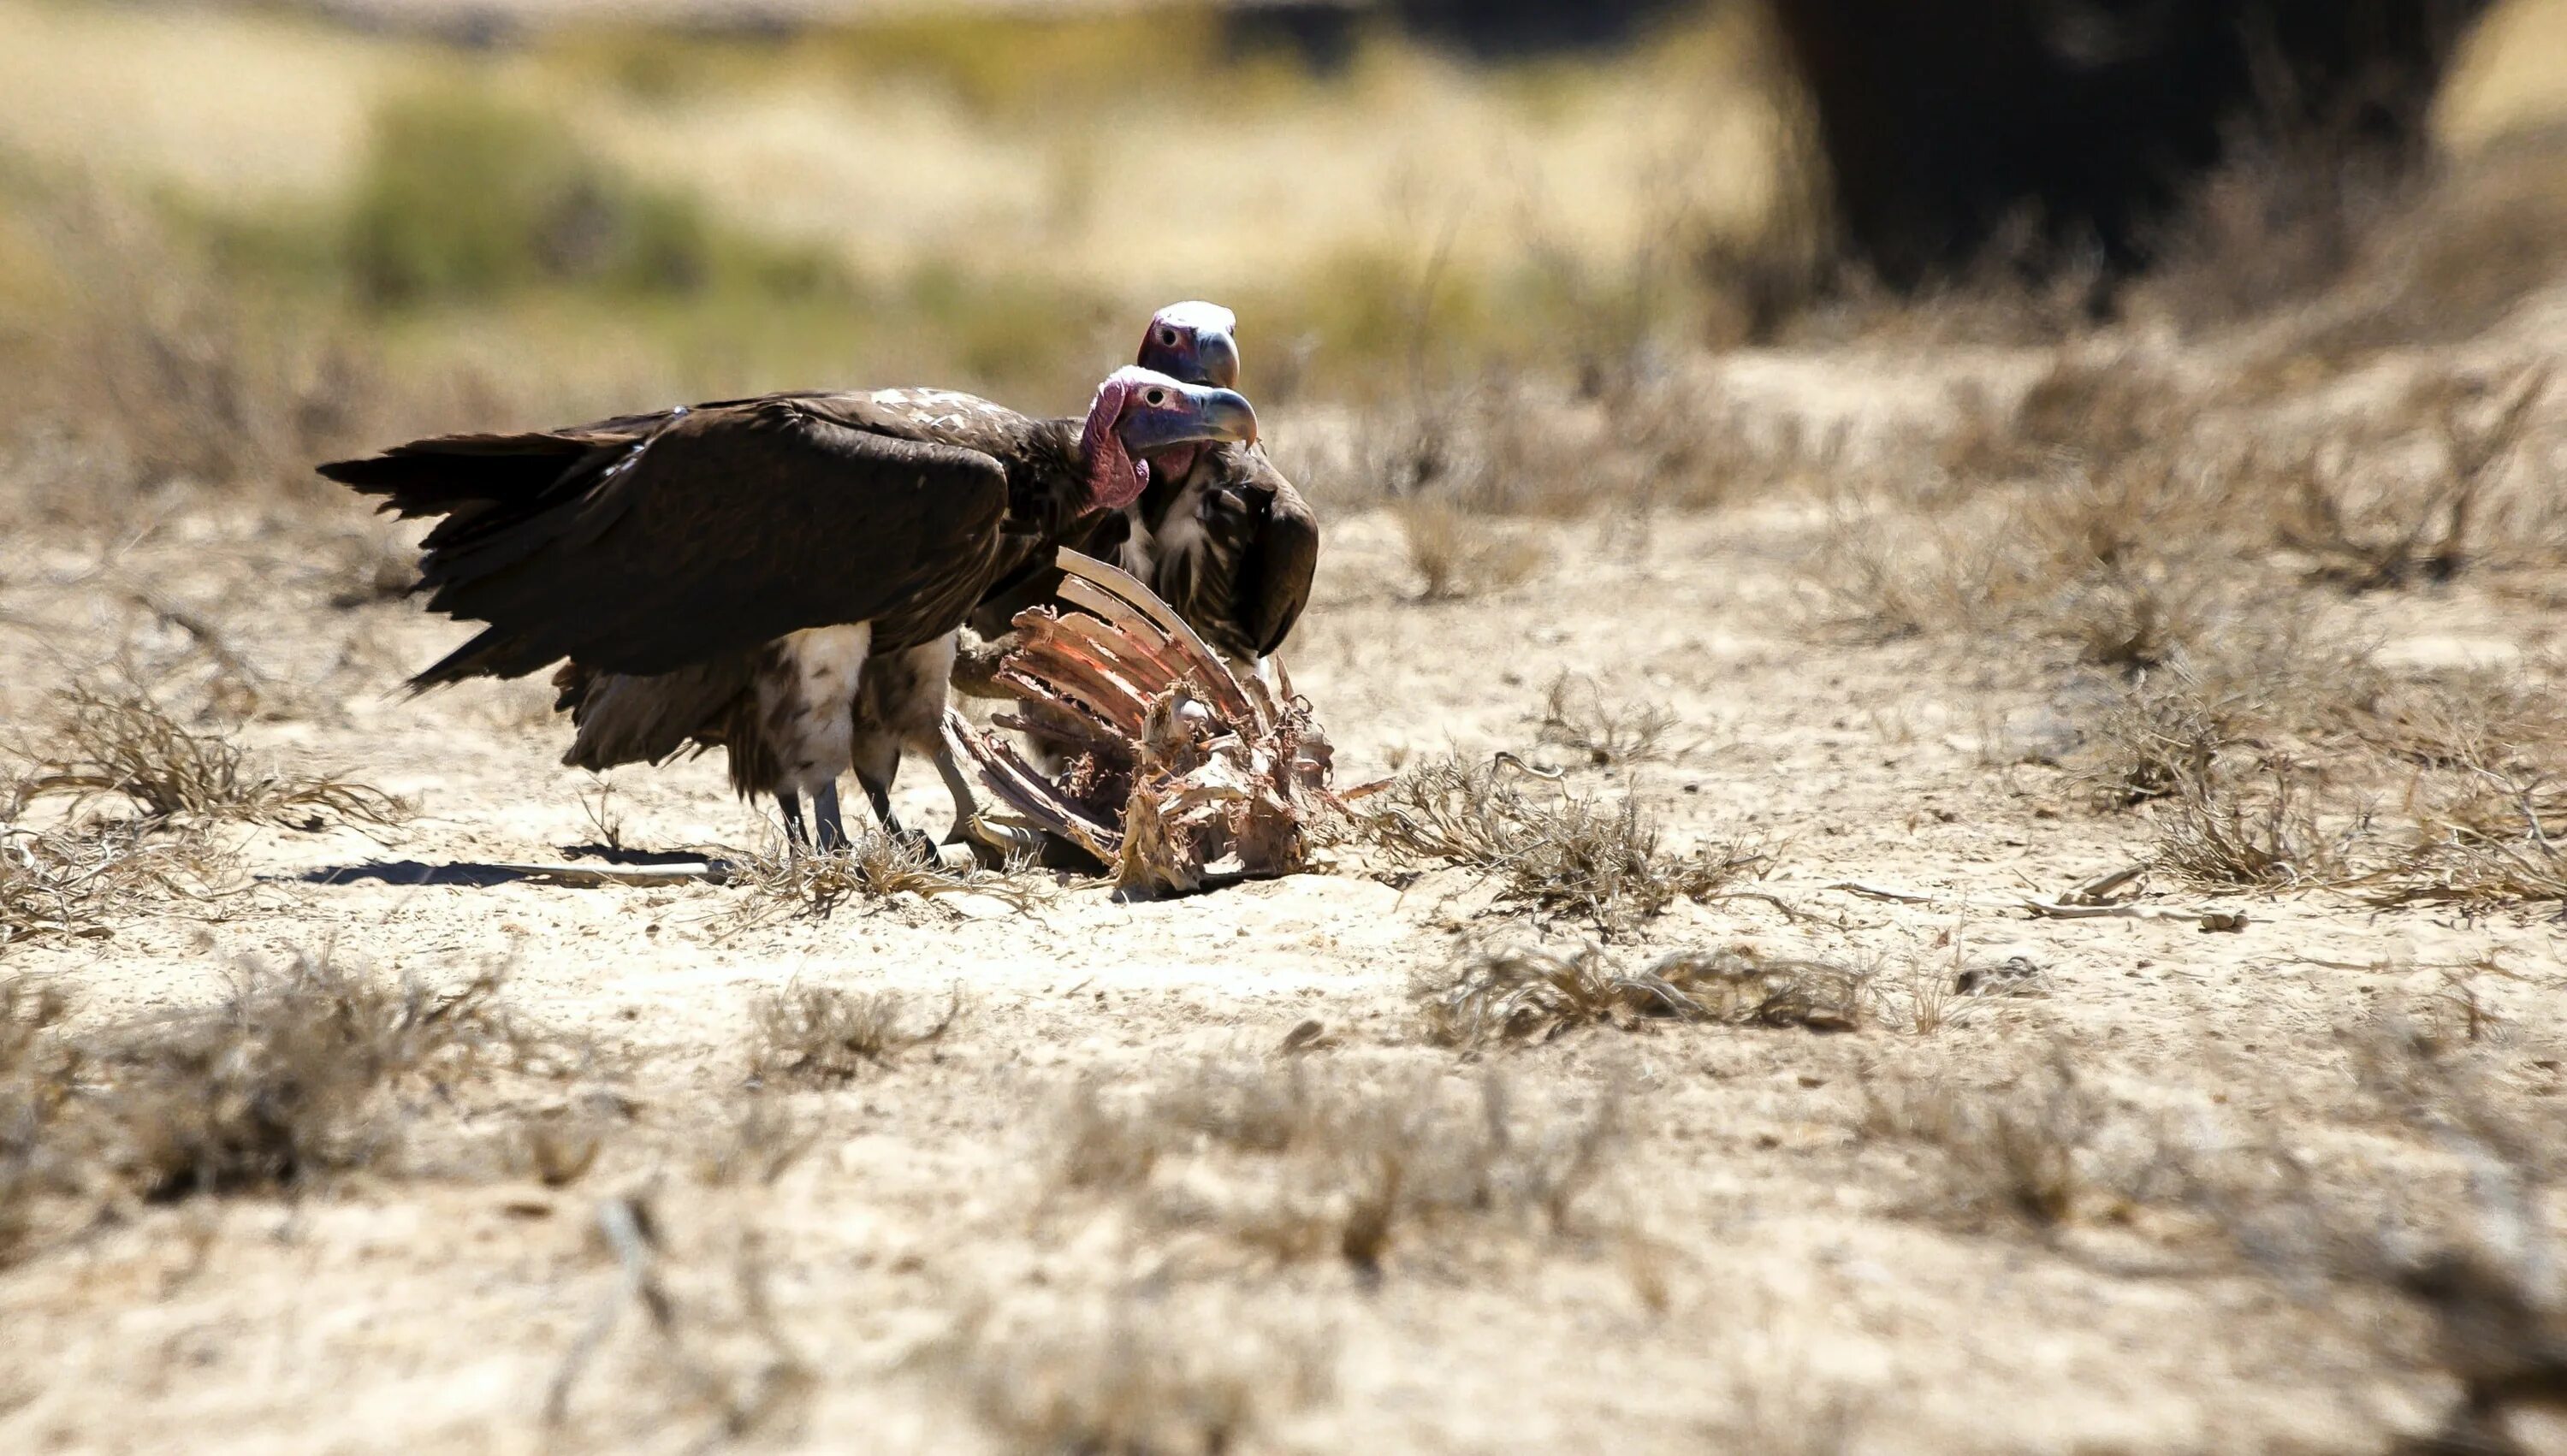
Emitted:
<point x="1174" y="463"/>
<point x="1114" y="478"/>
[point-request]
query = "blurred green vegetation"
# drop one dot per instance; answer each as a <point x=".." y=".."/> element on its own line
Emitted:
<point x="495" y="252"/>
<point x="466" y="195"/>
<point x="992" y="65"/>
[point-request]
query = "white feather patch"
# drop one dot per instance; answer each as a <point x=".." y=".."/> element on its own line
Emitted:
<point x="817" y="724"/>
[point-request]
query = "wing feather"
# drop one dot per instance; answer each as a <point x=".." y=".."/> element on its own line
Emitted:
<point x="652" y="543"/>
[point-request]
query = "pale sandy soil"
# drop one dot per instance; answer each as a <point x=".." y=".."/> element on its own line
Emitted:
<point x="1753" y="1270"/>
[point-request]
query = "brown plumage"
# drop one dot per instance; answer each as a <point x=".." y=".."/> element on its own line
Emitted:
<point x="764" y="562"/>
<point x="1227" y="541"/>
<point x="1218" y="534"/>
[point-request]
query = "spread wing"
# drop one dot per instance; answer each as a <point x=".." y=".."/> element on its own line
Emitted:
<point x="652" y="543"/>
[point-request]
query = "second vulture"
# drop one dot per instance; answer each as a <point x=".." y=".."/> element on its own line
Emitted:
<point x="818" y="551"/>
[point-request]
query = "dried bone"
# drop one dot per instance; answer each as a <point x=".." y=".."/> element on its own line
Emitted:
<point x="1188" y="776"/>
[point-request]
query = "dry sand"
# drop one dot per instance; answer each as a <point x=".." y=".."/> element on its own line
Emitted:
<point x="1752" y="1268"/>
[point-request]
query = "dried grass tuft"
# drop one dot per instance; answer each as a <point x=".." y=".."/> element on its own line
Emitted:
<point x="1139" y="1370"/>
<point x="1524" y="995"/>
<point x="1301" y="1161"/>
<point x="2043" y="1149"/>
<point x="291" y="1079"/>
<point x="2262" y="830"/>
<point x="286" y="1079"/>
<point x="124" y="744"/>
<point x="1601" y="863"/>
<point x="1457" y="555"/>
<point x="2368" y="535"/>
<point x="1576" y="717"/>
<point x="874" y="868"/>
<point x="826" y="1033"/>
<point x="80" y="879"/>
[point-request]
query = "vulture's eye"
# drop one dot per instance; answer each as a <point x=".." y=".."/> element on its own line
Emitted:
<point x="1155" y="397"/>
<point x="1168" y="337"/>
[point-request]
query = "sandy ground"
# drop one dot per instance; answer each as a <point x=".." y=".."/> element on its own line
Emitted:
<point x="1752" y="1270"/>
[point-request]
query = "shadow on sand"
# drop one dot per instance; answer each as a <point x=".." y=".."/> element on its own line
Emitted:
<point x="602" y="866"/>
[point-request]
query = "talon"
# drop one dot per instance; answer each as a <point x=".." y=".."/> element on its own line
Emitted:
<point x="992" y="846"/>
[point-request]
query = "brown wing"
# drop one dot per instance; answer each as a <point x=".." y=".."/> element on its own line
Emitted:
<point x="1281" y="558"/>
<point x="622" y="718"/>
<point x="655" y="544"/>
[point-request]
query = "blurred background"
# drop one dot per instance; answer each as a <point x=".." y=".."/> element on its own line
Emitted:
<point x="238" y="237"/>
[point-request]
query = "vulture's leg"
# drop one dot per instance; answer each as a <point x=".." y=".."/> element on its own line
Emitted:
<point x="900" y="700"/>
<point x="833" y="829"/>
<point x="797" y="835"/>
<point x="806" y="694"/>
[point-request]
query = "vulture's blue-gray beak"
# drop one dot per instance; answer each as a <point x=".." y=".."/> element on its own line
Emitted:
<point x="1217" y="355"/>
<point x="1200" y="415"/>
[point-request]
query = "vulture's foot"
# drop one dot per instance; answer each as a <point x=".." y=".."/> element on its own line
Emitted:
<point x="992" y="846"/>
<point x="797" y="832"/>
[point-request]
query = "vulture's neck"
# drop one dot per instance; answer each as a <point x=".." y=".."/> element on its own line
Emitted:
<point x="1047" y="490"/>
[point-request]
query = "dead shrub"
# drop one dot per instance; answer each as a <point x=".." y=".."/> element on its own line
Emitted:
<point x="2125" y="558"/>
<point x="2260" y="831"/>
<point x="1575" y="856"/>
<point x="2284" y="758"/>
<point x="286" y="1081"/>
<point x="875" y="868"/>
<point x="1575" y="716"/>
<point x="2489" y="845"/>
<point x="1136" y="1371"/>
<point x="290" y="1081"/>
<point x="39" y="1072"/>
<point x="124" y="744"/>
<point x="2089" y="410"/>
<point x="759" y="1141"/>
<point x="1456" y="555"/>
<point x="824" y="1033"/>
<point x="83" y="878"/>
<point x="1526" y="995"/>
<point x="1299" y="1163"/>
<point x="2369" y="537"/>
<point x="2044" y="1148"/>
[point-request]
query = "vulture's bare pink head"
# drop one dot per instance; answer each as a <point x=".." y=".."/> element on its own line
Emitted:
<point x="1140" y="413"/>
<point x="1195" y="341"/>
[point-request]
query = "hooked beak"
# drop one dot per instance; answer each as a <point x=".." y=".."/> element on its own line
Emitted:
<point x="1218" y="356"/>
<point x="1211" y="414"/>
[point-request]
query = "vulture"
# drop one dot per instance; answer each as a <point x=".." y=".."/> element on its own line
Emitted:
<point x="781" y="575"/>
<point x="1218" y="533"/>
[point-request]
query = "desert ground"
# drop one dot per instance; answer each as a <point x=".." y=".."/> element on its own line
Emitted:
<point x="1924" y="886"/>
